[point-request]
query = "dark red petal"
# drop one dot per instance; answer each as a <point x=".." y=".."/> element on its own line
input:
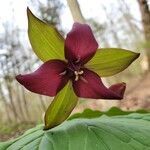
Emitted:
<point x="80" y="43"/>
<point x="90" y="86"/>
<point x="118" y="88"/>
<point x="46" y="80"/>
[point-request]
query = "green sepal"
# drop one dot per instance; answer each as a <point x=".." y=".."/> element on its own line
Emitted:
<point x="61" y="107"/>
<point x="46" y="41"/>
<point x="110" y="61"/>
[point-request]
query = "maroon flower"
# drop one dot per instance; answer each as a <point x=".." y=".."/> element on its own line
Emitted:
<point x="52" y="76"/>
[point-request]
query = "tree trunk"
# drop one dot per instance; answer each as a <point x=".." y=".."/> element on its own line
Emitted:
<point x="75" y="11"/>
<point x="145" y="14"/>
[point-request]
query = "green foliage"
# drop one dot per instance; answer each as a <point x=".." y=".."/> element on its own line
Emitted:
<point x="61" y="107"/>
<point x="114" y="111"/>
<point x="46" y="41"/>
<point x="110" y="61"/>
<point x="115" y="132"/>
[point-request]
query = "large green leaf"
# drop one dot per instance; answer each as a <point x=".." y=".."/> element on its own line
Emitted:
<point x="110" y="61"/>
<point x="127" y="132"/>
<point x="46" y="41"/>
<point x="61" y="107"/>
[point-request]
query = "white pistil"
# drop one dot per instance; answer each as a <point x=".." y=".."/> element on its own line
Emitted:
<point x="76" y="78"/>
<point x="80" y="72"/>
<point x="77" y="74"/>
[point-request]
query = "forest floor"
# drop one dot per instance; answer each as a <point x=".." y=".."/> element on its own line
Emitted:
<point x="137" y="96"/>
<point x="10" y="131"/>
<point x="138" y="93"/>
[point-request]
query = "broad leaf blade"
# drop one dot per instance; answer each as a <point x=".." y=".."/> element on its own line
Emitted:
<point x="110" y="61"/>
<point x="61" y="107"/>
<point x="128" y="132"/>
<point x="46" y="41"/>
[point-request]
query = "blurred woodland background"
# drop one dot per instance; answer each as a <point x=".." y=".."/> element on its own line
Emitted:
<point x="120" y="23"/>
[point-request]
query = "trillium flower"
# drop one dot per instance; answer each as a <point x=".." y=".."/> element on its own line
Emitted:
<point x="75" y="60"/>
<point x="51" y="77"/>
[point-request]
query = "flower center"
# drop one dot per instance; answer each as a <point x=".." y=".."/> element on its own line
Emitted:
<point x="73" y="71"/>
<point x="77" y="74"/>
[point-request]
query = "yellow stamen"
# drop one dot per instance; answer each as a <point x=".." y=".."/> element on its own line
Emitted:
<point x="63" y="73"/>
<point x="78" y="60"/>
<point x="83" y="79"/>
